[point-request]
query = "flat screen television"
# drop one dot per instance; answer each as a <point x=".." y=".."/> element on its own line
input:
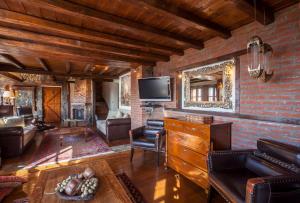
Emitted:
<point x="155" y="89"/>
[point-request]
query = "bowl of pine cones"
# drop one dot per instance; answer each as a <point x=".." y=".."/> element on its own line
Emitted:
<point x="78" y="187"/>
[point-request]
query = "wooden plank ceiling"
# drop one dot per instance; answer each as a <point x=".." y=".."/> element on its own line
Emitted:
<point x="106" y="38"/>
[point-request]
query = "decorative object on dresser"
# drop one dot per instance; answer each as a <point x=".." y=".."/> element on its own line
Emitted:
<point x="150" y="137"/>
<point x="188" y="142"/>
<point x="268" y="174"/>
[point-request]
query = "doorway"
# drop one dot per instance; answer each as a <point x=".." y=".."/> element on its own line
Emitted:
<point x="52" y="104"/>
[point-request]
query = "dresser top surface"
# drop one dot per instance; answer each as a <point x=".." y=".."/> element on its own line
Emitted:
<point x="195" y="121"/>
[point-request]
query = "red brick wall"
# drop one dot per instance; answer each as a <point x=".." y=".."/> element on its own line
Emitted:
<point x="280" y="97"/>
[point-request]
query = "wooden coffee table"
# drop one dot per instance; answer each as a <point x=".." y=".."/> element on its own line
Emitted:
<point x="109" y="189"/>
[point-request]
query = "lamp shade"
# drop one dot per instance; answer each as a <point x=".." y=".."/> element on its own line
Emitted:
<point x="8" y="94"/>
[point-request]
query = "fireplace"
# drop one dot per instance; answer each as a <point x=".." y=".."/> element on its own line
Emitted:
<point x="78" y="114"/>
<point x="78" y="111"/>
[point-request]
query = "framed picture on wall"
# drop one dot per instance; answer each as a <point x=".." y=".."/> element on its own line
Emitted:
<point x="125" y="91"/>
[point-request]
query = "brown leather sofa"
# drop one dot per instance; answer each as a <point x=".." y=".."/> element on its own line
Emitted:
<point x="270" y="174"/>
<point x="114" y="129"/>
<point x="16" y="134"/>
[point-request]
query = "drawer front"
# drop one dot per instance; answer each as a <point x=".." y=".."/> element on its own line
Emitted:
<point x="188" y="127"/>
<point x="174" y="125"/>
<point x="196" y="143"/>
<point x="194" y="174"/>
<point x="190" y="156"/>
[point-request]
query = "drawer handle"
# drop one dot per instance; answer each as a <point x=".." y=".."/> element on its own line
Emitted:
<point x="184" y="150"/>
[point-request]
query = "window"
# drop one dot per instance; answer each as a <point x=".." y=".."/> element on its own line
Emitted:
<point x="212" y="94"/>
<point x="199" y="94"/>
<point x="194" y="95"/>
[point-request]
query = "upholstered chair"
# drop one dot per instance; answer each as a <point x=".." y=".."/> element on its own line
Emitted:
<point x="268" y="174"/>
<point x="150" y="137"/>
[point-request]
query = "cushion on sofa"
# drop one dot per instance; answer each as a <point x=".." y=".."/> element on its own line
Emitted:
<point x="29" y="133"/>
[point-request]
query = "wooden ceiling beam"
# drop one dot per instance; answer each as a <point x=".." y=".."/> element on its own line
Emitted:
<point x="116" y="22"/>
<point x="44" y="64"/>
<point x="34" y="23"/>
<point x="11" y="77"/>
<point x="183" y="16"/>
<point x="259" y="10"/>
<point x="89" y="68"/>
<point x="10" y="68"/>
<point x="9" y="46"/>
<point x="106" y="68"/>
<point x="13" y="60"/>
<point x="61" y="41"/>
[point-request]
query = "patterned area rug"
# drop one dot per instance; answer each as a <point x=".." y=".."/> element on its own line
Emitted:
<point x="74" y="145"/>
<point x="134" y="194"/>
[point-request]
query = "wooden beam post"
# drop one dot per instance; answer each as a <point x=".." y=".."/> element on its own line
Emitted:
<point x="108" y="20"/>
<point x="14" y="61"/>
<point x="259" y="10"/>
<point x="10" y="68"/>
<point x="183" y="16"/>
<point x="63" y="41"/>
<point x="11" y="77"/>
<point x="31" y="22"/>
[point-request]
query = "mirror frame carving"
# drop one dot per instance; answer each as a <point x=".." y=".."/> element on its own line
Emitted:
<point x="228" y="104"/>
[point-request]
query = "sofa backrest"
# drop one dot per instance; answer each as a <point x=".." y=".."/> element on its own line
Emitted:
<point x="24" y="110"/>
<point x="13" y="121"/>
<point x="281" y="151"/>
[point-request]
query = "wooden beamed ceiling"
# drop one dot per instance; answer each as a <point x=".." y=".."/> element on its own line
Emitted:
<point x="106" y="38"/>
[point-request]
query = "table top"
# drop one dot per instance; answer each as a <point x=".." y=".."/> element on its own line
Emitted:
<point x="109" y="189"/>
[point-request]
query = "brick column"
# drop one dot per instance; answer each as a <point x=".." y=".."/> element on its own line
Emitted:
<point x="137" y="114"/>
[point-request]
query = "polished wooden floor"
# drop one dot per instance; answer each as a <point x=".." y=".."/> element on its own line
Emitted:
<point x="155" y="183"/>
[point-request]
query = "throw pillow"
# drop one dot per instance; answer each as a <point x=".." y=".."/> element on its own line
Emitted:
<point x="119" y="114"/>
<point x="11" y="181"/>
<point x="4" y="192"/>
<point x="126" y="115"/>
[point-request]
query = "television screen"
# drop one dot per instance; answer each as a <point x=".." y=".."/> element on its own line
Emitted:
<point x="155" y="89"/>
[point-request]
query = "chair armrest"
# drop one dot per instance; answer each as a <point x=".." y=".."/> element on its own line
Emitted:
<point x="224" y="160"/>
<point x="118" y="121"/>
<point x="11" y="131"/>
<point x="284" y="188"/>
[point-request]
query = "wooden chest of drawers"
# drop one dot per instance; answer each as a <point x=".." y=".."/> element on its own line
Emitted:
<point x="187" y="145"/>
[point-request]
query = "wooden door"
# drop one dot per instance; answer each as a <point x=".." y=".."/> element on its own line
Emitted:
<point x="52" y="104"/>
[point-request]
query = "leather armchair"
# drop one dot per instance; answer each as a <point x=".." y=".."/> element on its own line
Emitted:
<point x="117" y="128"/>
<point x="269" y="174"/>
<point x="150" y="137"/>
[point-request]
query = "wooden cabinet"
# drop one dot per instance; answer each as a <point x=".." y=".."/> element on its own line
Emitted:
<point x="188" y="143"/>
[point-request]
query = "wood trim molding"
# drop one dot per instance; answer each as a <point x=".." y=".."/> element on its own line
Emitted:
<point x="290" y="121"/>
<point x="214" y="60"/>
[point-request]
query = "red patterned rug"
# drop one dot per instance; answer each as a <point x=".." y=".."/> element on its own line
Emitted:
<point x="74" y="145"/>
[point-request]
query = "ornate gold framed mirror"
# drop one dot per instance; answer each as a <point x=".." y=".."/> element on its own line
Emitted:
<point x="210" y="87"/>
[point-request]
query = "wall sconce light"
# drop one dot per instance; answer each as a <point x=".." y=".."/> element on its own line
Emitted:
<point x="259" y="59"/>
<point x="179" y="75"/>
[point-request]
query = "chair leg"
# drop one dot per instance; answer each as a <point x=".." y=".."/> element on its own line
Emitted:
<point x="131" y="155"/>
<point x="157" y="154"/>
<point x="210" y="194"/>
